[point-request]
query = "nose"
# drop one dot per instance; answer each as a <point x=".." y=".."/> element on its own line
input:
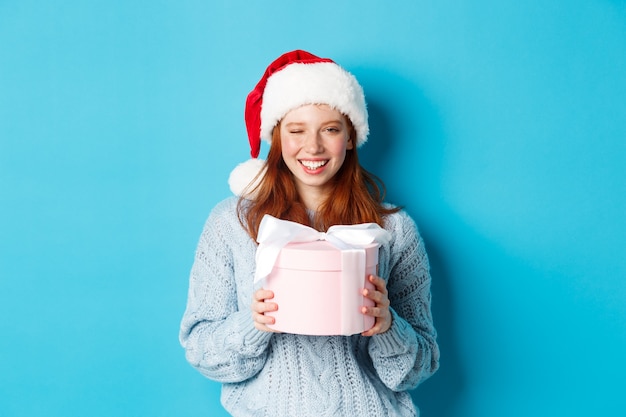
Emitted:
<point x="313" y="143"/>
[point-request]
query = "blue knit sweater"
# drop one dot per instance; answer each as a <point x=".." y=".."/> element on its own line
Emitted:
<point x="287" y="375"/>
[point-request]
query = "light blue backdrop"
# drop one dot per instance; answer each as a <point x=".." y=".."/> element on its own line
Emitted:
<point x="500" y="126"/>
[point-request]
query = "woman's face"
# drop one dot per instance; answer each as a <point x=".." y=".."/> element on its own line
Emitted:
<point x="314" y="139"/>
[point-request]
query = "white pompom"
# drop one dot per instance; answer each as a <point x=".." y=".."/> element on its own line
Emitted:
<point x="240" y="179"/>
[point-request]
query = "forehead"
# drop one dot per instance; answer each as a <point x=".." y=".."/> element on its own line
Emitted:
<point x="313" y="112"/>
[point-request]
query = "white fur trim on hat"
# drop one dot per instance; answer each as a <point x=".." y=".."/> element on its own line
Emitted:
<point x="313" y="83"/>
<point x="241" y="178"/>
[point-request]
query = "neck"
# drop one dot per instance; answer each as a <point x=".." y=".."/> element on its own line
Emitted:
<point x="312" y="198"/>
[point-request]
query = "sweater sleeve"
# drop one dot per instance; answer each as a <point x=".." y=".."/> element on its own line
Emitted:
<point x="407" y="353"/>
<point x="219" y="339"/>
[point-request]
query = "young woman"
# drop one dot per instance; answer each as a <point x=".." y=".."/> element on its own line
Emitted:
<point x="313" y="114"/>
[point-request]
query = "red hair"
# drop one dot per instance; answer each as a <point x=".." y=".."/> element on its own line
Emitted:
<point x="357" y="195"/>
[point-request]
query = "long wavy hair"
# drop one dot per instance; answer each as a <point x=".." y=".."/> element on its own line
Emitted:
<point x="356" y="195"/>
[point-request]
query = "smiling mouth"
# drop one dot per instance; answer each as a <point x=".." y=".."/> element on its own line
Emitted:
<point x="312" y="165"/>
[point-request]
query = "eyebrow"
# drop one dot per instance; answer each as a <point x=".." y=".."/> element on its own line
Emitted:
<point x="323" y="123"/>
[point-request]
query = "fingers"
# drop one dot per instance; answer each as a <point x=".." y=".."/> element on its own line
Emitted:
<point x="380" y="310"/>
<point x="379" y="295"/>
<point x="381" y="325"/>
<point x="260" y="306"/>
<point x="262" y="294"/>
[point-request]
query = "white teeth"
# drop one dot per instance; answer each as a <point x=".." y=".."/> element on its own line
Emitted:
<point x="313" y="164"/>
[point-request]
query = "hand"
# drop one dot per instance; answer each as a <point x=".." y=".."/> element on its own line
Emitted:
<point x="260" y="306"/>
<point x="380" y="310"/>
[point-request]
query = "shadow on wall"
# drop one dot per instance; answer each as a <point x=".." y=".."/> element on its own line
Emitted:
<point x="439" y="395"/>
<point x="405" y="150"/>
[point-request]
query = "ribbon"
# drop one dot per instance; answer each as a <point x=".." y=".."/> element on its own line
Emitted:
<point x="274" y="234"/>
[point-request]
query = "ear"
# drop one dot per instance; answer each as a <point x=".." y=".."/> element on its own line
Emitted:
<point x="350" y="143"/>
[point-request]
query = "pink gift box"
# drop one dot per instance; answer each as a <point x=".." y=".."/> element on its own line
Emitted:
<point x="318" y="288"/>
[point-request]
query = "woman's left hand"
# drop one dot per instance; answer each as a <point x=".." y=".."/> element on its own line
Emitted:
<point x="380" y="309"/>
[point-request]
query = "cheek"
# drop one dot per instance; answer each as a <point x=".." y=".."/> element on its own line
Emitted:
<point x="339" y="148"/>
<point x="287" y="146"/>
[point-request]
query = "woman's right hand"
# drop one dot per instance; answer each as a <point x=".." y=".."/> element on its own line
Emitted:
<point x="260" y="305"/>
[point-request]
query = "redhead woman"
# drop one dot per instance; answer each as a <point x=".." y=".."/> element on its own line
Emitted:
<point x="313" y="114"/>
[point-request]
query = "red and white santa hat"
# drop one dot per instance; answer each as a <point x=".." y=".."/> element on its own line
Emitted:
<point x="293" y="80"/>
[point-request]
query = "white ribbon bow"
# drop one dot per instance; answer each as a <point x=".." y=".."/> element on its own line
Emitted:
<point x="274" y="234"/>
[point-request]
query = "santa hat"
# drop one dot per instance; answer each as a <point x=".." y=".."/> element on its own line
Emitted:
<point x="293" y="80"/>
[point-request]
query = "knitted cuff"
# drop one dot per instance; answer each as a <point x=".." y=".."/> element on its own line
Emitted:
<point x="394" y="341"/>
<point x="254" y="340"/>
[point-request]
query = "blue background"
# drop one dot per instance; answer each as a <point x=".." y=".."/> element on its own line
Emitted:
<point x="500" y="126"/>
